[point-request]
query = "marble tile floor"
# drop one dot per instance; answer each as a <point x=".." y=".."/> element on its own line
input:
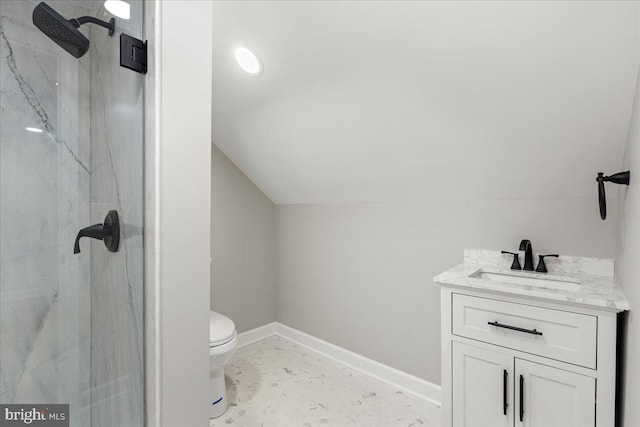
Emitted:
<point x="277" y="383"/>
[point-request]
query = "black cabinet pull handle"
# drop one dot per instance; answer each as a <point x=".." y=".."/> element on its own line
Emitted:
<point x="505" y="376"/>
<point x="515" y="328"/>
<point x="521" y="398"/>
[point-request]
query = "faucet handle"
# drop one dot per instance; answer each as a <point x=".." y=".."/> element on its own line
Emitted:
<point x="542" y="267"/>
<point x="516" y="260"/>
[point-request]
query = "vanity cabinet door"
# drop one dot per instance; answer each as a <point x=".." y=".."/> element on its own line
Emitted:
<point x="552" y="397"/>
<point x="482" y="387"/>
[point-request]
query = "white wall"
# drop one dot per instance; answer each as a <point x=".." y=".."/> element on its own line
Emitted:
<point x="151" y="202"/>
<point x="360" y="275"/>
<point x="370" y="101"/>
<point x="180" y="200"/>
<point x="628" y="265"/>
<point x="242" y="247"/>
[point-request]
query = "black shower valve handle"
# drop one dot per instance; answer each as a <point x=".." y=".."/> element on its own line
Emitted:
<point x="542" y="267"/>
<point x="515" y="265"/>
<point x="109" y="232"/>
<point x="94" y="231"/>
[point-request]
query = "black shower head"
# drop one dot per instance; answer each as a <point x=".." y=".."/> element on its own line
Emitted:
<point x="60" y="30"/>
<point x="65" y="31"/>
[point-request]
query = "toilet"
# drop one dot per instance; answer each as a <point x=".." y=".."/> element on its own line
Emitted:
<point x="222" y="344"/>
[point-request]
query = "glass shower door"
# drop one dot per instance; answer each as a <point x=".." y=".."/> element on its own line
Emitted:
<point x="71" y="149"/>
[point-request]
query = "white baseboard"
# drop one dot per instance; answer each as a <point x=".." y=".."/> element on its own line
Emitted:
<point x="256" y="334"/>
<point x="403" y="381"/>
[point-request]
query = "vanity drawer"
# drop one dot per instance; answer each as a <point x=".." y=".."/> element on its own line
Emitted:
<point x="562" y="335"/>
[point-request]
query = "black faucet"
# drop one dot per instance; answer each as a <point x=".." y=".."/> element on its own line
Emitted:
<point x="525" y="246"/>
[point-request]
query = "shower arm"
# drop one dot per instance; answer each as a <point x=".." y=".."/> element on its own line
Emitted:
<point x="111" y="25"/>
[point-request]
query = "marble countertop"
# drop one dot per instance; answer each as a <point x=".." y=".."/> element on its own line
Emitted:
<point x="597" y="285"/>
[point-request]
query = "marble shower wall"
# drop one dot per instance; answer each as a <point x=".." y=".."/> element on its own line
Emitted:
<point x="117" y="374"/>
<point x="70" y="326"/>
<point x="44" y="199"/>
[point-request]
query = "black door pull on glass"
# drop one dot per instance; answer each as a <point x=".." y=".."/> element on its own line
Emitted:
<point x="515" y="328"/>
<point x="109" y="233"/>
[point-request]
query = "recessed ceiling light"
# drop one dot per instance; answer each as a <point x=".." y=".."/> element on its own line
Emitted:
<point x="248" y="61"/>
<point x="119" y="8"/>
<point x="36" y="130"/>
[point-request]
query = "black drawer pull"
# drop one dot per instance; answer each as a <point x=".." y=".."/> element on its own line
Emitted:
<point x="515" y="328"/>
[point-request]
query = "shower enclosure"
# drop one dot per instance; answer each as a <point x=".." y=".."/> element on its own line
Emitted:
<point x="71" y="150"/>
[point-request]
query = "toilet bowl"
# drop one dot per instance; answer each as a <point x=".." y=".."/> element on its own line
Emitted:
<point x="222" y="344"/>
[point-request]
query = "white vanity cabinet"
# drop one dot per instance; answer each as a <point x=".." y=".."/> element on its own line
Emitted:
<point x="482" y="387"/>
<point x="552" y="397"/>
<point x="491" y="388"/>
<point x="511" y="361"/>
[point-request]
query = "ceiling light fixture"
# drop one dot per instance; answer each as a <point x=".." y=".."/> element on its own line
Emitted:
<point x="248" y="61"/>
<point x="119" y="8"/>
<point x="36" y="130"/>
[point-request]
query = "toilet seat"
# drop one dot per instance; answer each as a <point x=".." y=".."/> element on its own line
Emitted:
<point x="221" y="329"/>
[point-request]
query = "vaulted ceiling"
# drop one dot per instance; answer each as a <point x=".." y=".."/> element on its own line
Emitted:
<point x="364" y="101"/>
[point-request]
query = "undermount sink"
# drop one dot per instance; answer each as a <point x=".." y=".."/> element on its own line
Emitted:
<point x="513" y="279"/>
